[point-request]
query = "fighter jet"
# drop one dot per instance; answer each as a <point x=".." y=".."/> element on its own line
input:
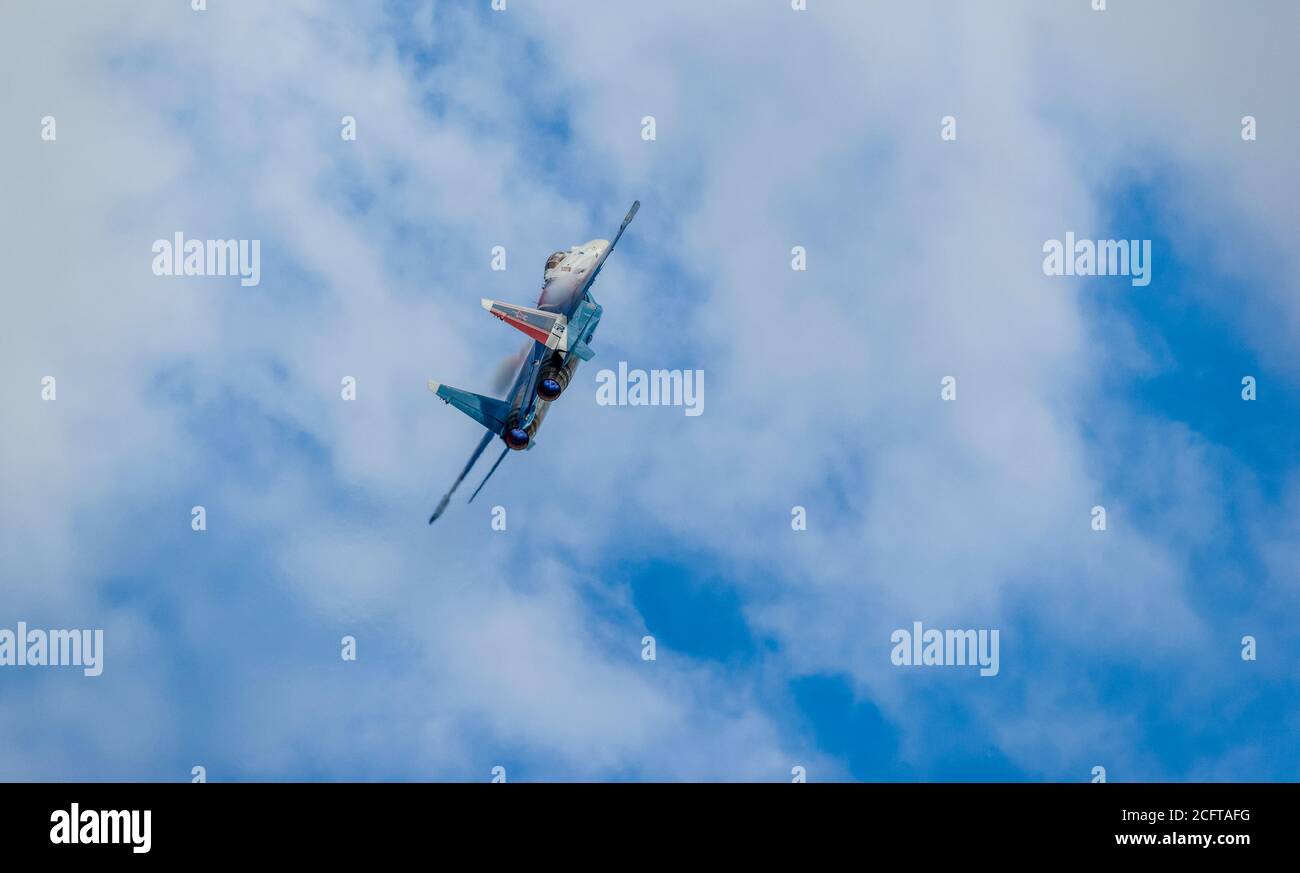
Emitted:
<point x="560" y="328"/>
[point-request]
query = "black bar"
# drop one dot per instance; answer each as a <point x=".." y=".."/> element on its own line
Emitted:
<point x="332" y="821"/>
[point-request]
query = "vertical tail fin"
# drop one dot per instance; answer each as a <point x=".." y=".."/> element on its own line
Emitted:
<point x="446" y="498"/>
<point x="504" y="452"/>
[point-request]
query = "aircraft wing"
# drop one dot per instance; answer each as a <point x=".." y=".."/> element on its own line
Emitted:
<point x="446" y="498"/>
<point x="547" y="328"/>
<point x="631" y="213"/>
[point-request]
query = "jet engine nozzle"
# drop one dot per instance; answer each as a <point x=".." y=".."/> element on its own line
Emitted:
<point x="517" y="438"/>
<point x="552" y="381"/>
<point x="549" y="389"/>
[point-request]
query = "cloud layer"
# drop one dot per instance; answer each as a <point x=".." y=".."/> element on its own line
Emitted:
<point x="523" y="129"/>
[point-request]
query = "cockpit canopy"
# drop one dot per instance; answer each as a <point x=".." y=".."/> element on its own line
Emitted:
<point x="554" y="261"/>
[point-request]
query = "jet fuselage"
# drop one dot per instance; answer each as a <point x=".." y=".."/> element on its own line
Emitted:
<point x="559" y="329"/>
<point x="566" y="280"/>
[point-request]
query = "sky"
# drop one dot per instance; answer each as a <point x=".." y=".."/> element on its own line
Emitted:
<point x="523" y="648"/>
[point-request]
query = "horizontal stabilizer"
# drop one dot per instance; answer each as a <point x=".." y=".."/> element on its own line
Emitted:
<point x="487" y="411"/>
<point x="548" y="328"/>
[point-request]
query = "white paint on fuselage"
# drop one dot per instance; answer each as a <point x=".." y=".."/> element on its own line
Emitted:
<point x="564" y="276"/>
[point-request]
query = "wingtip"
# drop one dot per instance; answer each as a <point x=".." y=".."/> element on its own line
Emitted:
<point x="434" y="386"/>
<point x="486" y="303"/>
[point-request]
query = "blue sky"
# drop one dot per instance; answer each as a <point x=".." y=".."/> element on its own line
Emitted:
<point x="522" y="648"/>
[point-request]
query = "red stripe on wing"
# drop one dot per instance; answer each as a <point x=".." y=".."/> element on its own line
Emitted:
<point x="530" y="330"/>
